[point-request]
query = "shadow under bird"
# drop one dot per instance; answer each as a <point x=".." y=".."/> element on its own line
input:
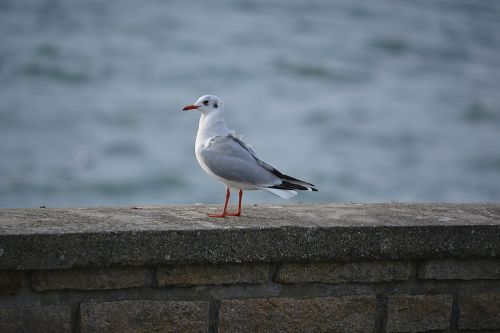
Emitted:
<point x="228" y="158"/>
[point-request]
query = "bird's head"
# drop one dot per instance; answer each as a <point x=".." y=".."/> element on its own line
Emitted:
<point x="206" y="104"/>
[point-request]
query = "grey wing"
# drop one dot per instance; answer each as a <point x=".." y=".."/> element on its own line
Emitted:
<point x="230" y="158"/>
<point x="263" y="164"/>
<point x="288" y="182"/>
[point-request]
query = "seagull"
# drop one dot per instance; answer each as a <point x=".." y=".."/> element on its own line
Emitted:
<point x="225" y="156"/>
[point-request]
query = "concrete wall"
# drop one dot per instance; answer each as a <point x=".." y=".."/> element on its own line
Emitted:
<point x="298" y="268"/>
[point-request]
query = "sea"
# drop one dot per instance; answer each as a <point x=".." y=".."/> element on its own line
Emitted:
<point x="371" y="101"/>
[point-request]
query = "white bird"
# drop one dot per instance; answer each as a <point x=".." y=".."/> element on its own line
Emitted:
<point x="228" y="158"/>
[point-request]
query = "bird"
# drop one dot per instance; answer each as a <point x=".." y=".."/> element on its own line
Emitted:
<point x="225" y="156"/>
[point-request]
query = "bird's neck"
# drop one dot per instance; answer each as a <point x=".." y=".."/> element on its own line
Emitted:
<point x="211" y="125"/>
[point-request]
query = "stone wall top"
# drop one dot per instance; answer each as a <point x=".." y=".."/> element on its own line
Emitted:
<point x="49" y="238"/>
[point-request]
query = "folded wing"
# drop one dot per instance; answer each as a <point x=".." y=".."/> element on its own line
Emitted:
<point x="230" y="158"/>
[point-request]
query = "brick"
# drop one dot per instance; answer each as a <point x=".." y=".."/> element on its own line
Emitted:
<point x="144" y="316"/>
<point x="478" y="312"/>
<point x="471" y="269"/>
<point x="329" y="272"/>
<point x="10" y="282"/>
<point x="187" y="275"/>
<point x="328" y="314"/>
<point x="45" y="319"/>
<point x="406" y="313"/>
<point x="90" y="279"/>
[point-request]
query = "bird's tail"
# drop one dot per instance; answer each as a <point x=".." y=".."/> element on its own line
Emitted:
<point x="285" y="189"/>
<point x="285" y="194"/>
<point x="289" y="185"/>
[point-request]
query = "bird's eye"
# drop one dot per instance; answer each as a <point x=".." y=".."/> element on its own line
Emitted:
<point x="215" y="105"/>
<point x="205" y="102"/>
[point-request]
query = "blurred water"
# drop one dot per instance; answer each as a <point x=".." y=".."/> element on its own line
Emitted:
<point x="371" y="101"/>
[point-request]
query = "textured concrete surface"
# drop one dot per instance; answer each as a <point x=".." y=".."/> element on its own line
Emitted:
<point x="329" y="272"/>
<point x="479" y="312"/>
<point x="90" y="279"/>
<point x="47" y="319"/>
<point x="63" y="238"/>
<point x="418" y="313"/>
<point x="478" y="269"/>
<point x="328" y="314"/>
<point x="144" y="316"/>
<point x="190" y="275"/>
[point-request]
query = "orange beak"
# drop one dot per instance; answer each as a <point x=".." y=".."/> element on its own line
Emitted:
<point x="190" y="107"/>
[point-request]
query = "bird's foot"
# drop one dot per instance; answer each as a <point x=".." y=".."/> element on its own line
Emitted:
<point x="217" y="215"/>
<point x="234" y="214"/>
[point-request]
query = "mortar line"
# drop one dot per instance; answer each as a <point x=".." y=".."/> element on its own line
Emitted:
<point x="273" y="270"/>
<point x="381" y="314"/>
<point x="454" y="310"/>
<point x="153" y="282"/>
<point x="75" y="318"/>
<point x="213" y="315"/>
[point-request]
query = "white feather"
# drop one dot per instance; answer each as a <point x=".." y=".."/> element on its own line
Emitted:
<point x="285" y="194"/>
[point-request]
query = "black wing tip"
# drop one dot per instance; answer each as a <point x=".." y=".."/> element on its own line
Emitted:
<point x="285" y="185"/>
<point x="287" y="177"/>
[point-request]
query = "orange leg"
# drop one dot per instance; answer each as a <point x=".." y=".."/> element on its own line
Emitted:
<point x="238" y="212"/>
<point x="224" y="212"/>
